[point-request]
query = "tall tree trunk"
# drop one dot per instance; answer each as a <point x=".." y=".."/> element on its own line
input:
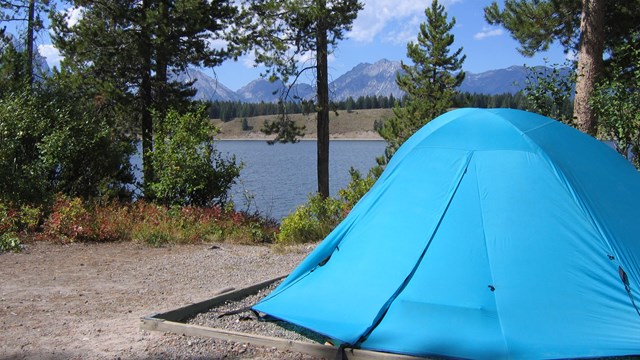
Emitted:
<point x="322" y="84"/>
<point x="146" y="97"/>
<point x="162" y="61"/>
<point x="590" y="65"/>
<point x="30" y="32"/>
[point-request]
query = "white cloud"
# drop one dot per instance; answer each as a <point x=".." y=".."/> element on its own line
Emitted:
<point x="51" y="53"/>
<point x="404" y="32"/>
<point x="488" y="32"/>
<point x="572" y="55"/>
<point x="378" y="14"/>
<point x="249" y="61"/>
<point x="74" y="14"/>
<point x="216" y="43"/>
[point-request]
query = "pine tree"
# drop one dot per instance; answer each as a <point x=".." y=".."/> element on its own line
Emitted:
<point x="429" y="83"/>
<point x="589" y="28"/>
<point x="29" y="12"/>
<point x="280" y="32"/>
<point x="126" y="51"/>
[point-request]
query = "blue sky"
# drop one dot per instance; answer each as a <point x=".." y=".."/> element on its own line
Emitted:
<point x="383" y="29"/>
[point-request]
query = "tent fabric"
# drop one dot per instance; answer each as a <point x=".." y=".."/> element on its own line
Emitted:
<point x="491" y="234"/>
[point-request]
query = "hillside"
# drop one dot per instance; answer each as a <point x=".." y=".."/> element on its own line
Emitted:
<point x="357" y="124"/>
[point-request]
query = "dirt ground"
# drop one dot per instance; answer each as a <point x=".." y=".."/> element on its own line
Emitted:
<point x="82" y="301"/>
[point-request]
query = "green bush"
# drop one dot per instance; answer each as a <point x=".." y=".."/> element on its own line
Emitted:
<point x="58" y="146"/>
<point x="23" y="126"/>
<point x="355" y="190"/>
<point x="9" y="241"/>
<point x="616" y="101"/>
<point x="188" y="168"/>
<point x="14" y="221"/>
<point x="312" y="221"/>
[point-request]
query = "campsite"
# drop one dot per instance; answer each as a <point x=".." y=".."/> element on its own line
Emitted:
<point x="497" y="223"/>
<point x="494" y="288"/>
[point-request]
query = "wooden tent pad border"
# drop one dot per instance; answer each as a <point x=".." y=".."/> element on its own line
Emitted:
<point x="171" y="322"/>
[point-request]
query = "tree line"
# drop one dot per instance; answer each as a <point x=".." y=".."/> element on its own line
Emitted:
<point x="229" y="110"/>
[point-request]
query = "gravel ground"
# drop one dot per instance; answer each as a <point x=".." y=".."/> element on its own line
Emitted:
<point x="247" y="322"/>
<point x="85" y="301"/>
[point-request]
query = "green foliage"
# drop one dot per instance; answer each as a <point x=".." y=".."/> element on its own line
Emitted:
<point x="189" y="170"/>
<point x="617" y="104"/>
<point x="549" y="92"/>
<point x="537" y="24"/>
<point x="9" y="241"/>
<point x="429" y="83"/>
<point x="127" y="52"/>
<point x="12" y="68"/>
<point x="284" y="129"/>
<point x="245" y="125"/>
<point x="23" y="128"/>
<point x="51" y="143"/>
<point x="13" y="221"/>
<point x="315" y="219"/>
<point x="355" y="190"/>
<point x="311" y="222"/>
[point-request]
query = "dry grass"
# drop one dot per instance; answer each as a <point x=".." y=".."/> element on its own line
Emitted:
<point x="357" y="124"/>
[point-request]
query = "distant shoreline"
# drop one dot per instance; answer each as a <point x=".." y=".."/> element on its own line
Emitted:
<point x="301" y="139"/>
<point x="349" y="136"/>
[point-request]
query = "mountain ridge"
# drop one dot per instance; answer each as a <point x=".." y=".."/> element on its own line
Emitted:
<point x="365" y="79"/>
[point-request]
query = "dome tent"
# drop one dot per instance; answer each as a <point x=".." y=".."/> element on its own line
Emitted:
<point x="491" y="234"/>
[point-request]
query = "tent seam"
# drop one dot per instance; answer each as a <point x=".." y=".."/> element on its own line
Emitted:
<point x="486" y="249"/>
<point x="383" y="311"/>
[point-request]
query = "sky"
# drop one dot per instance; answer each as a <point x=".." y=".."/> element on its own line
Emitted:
<point x="383" y="29"/>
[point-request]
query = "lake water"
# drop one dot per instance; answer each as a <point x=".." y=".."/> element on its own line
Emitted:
<point x="279" y="177"/>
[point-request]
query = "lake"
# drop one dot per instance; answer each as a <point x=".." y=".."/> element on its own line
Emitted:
<point x="278" y="178"/>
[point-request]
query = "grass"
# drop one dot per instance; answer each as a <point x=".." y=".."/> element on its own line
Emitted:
<point x="347" y="124"/>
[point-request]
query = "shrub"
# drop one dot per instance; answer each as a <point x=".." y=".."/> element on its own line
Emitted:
<point x="56" y="144"/>
<point x="70" y="221"/>
<point x="15" y="221"/>
<point x="22" y="129"/>
<point x="188" y="168"/>
<point x="9" y="241"/>
<point x="355" y="190"/>
<point x="8" y="224"/>
<point x="311" y="221"/>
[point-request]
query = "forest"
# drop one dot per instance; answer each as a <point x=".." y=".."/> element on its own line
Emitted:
<point x="229" y="110"/>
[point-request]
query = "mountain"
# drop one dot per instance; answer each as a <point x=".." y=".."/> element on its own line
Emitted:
<point x="509" y="80"/>
<point x="264" y="90"/>
<point x="365" y="79"/>
<point x="208" y="88"/>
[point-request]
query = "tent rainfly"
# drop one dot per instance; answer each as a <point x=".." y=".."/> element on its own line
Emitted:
<point x="492" y="234"/>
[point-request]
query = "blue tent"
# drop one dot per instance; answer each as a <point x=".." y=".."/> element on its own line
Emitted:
<point x="491" y="234"/>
